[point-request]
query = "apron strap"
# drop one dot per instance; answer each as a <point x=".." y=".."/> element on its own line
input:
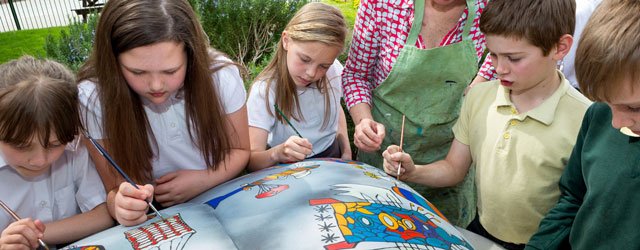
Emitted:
<point x="417" y="22"/>
<point x="471" y="15"/>
<point x="419" y="15"/>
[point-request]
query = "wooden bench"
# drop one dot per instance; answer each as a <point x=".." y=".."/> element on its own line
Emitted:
<point x="88" y="7"/>
<point x="86" y="11"/>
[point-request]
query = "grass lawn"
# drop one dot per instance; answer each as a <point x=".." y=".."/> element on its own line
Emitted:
<point x="349" y="12"/>
<point x="25" y="42"/>
<point x="347" y="9"/>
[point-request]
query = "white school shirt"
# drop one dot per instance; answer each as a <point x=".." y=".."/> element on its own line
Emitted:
<point x="72" y="186"/>
<point x="175" y="150"/>
<point x="312" y="106"/>
<point x="584" y="8"/>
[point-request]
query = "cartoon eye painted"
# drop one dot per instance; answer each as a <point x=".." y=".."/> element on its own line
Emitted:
<point x="388" y="221"/>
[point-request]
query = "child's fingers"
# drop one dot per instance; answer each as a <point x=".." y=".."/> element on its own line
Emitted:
<point x="40" y="226"/>
<point x="162" y="189"/>
<point x="295" y="153"/>
<point x="304" y="142"/>
<point x="23" y="232"/>
<point x="127" y="203"/>
<point x="141" y="193"/>
<point x="294" y="150"/>
<point x="17" y="241"/>
<point x="130" y="217"/>
<point x="392" y="149"/>
<point x="166" y="178"/>
<point x="390" y="167"/>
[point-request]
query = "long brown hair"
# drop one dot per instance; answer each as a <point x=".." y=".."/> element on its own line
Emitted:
<point x="128" y="24"/>
<point x="37" y="98"/>
<point x="314" y="22"/>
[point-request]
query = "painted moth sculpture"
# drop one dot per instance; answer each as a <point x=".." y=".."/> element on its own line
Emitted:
<point x="315" y="204"/>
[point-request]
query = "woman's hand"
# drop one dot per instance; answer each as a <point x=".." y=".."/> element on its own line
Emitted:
<point x="368" y="135"/>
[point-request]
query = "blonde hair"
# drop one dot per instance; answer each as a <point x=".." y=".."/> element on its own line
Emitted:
<point x="314" y="22"/>
<point x="37" y="97"/>
<point x="609" y="50"/>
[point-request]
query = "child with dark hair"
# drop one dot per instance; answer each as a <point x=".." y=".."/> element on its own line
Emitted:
<point x="517" y="131"/>
<point x="45" y="176"/>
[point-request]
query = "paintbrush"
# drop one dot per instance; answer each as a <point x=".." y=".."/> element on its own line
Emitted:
<point x="106" y="155"/>
<point x="288" y="122"/>
<point x="17" y="218"/>
<point x="401" y="141"/>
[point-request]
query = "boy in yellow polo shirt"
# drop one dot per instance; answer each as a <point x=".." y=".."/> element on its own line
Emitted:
<point x="517" y="131"/>
<point x="599" y="205"/>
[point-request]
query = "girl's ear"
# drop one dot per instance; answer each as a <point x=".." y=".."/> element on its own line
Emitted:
<point x="285" y="40"/>
<point x="563" y="47"/>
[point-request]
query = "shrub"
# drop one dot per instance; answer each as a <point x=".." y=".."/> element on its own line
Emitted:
<point x="246" y="30"/>
<point x="74" y="45"/>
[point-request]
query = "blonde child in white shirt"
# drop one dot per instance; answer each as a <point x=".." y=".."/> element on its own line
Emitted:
<point x="44" y="176"/>
<point x="303" y="80"/>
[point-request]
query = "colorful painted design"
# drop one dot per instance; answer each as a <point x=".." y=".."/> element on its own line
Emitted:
<point x="327" y="204"/>
<point x="265" y="189"/>
<point x="384" y="216"/>
<point x="84" y="248"/>
<point x="171" y="233"/>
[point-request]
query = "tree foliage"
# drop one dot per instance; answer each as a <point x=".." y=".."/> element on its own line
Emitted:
<point x="246" y="30"/>
<point x="74" y="45"/>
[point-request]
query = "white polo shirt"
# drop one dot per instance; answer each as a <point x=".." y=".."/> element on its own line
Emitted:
<point x="175" y="149"/>
<point x="72" y="186"/>
<point x="312" y="106"/>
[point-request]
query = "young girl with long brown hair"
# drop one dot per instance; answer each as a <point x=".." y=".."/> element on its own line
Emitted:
<point x="301" y="86"/>
<point x="167" y="107"/>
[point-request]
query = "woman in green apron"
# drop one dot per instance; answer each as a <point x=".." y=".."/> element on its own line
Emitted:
<point x="418" y="64"/>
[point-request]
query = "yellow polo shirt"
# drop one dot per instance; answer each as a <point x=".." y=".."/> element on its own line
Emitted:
<point x="518" y="157"/>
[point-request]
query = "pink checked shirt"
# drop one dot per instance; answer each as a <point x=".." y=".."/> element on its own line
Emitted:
<point x="380" y="32"/>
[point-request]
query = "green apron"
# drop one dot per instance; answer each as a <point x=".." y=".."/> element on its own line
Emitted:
<point x="427" y="86"/>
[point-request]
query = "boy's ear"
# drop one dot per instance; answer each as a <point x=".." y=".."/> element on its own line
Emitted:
<point x="285" y="40"/>
<point x="563" y="47"/>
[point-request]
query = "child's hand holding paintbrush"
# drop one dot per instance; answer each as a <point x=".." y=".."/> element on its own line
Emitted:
<point x="131" y="204"/>
<point x="132" y="200"/>
<point x="396" y="162"/>
<point x="22" y="233"/>
<point x="294" y="149"/>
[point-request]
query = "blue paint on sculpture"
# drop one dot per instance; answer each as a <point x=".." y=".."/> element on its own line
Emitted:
<point x="315" y="204"/>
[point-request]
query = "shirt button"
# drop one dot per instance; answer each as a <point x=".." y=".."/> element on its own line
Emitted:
<point x="173" y="124"/>
<point x="43" y="204"/>
<point x="513" y="123"/>
<point x="506" y="135"/>
<point x="514" y="110"/>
